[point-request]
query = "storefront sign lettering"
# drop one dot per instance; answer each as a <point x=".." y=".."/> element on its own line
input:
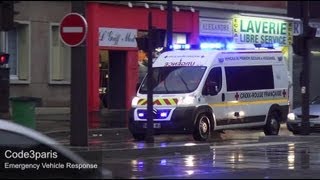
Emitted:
<point x="317" y="26"/>
<point x="116" y="37"/>
<point x="297" y="28"/>
<point x="262" y="30"/>
<point x="215" y="27"/>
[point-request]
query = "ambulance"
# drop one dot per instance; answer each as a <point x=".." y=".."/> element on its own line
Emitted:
<point x="200" y="91"/>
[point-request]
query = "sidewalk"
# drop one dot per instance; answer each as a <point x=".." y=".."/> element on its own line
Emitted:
<point x="58" y="119"/>
<point x="109" y="124"/>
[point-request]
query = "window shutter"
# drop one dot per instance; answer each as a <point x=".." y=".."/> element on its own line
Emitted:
<point x="56" y="59"/>
<point x="23" y="52"/>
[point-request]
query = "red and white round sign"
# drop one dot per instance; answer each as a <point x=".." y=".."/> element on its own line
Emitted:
<point x="73" y="29"/>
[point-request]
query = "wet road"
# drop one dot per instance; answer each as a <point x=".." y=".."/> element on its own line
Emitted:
<point x="236" y="154"/>
<point x="226" y="160"/>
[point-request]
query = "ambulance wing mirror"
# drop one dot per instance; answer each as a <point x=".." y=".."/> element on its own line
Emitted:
<point x="137" y="86"/>
<point x="211" y="88"/>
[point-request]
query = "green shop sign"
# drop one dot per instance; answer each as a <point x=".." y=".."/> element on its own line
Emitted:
<point x="261" y="30"/>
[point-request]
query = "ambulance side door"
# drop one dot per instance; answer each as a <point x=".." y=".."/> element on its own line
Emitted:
<point x="214" y="98"/>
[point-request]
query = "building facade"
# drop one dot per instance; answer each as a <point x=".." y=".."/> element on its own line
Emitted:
<point x="40" y="63"/>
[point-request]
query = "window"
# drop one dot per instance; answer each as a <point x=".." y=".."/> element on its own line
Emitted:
<point x="215" y="76"/>
<point x="18" y="45"/>
<point x="241" y="78"/>
<point x="177" y="38"/>
<point x="60" y="58"/>
<point x="175" y="79"/>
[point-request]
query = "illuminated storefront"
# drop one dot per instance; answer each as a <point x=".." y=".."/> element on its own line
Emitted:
<point x="112" y="54"/>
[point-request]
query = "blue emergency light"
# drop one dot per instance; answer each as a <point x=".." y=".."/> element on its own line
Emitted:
<point x="268" y="45"/>
<point x="231" y="46"/>
<point x="180" y="46"/>
<point x="211" y="46"/>
<point x="161" y="113"/>
<point x="224" y="46"/>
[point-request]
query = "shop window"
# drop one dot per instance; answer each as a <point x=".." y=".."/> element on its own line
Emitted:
<point x="143" y="65"/>
<point x="18" y="45"/>
<point x="104" y="70"/>
<point x="177" y="38"/>
<point x="60" y="58"/>
<point x="104" y="77"/>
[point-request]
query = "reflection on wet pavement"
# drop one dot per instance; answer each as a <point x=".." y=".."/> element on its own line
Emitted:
<point x="291" y="160"/>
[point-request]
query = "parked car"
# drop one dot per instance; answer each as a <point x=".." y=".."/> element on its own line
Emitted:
<point x="28" y="152"/>
<point x="295" y="117"/>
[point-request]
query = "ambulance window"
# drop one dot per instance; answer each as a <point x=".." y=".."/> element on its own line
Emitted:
<point x="241" y="78"/>
<point x="215" y="76"/>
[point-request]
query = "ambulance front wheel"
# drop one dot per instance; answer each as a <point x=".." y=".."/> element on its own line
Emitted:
<point x="201" y="128"/>
<point x="272" y="126"/>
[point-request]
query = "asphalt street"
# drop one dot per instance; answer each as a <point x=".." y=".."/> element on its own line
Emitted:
<point x="234" y="154"/>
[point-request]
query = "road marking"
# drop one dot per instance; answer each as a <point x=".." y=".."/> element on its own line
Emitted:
<point x="252" y="145"/>
<point x="72" y="29"/>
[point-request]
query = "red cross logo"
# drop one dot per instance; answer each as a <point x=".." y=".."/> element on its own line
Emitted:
<point x="237" y="96"/>
<point x="284" y="93"/>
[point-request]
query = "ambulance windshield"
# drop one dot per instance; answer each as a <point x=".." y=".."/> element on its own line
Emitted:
<point x="175" y="79"/>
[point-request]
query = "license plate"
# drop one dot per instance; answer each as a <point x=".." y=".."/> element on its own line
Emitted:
<point x="311" y="124"/>
<point x="155" y="125"/>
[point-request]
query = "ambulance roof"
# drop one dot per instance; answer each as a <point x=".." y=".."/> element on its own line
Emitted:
<point x="210" y="57"/>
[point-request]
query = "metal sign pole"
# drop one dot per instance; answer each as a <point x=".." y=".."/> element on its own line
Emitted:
<point x="305" y="124"/>
<point x="79" y="96"/>
<point x="169" y="25"/>
<point x="149" y="133"/>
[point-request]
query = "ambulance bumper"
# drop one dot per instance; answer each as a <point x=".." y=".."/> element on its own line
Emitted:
<point x="181" y="122"/>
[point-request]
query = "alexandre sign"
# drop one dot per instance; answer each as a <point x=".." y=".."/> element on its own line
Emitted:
<point x="215" y="27"/>
<point x="262" y="30"/>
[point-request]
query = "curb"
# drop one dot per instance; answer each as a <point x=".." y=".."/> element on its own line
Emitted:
<point x="99" y="130"/>
<point x="52" y="110"/>
<point x="111" y="135"/>
<point x="291" y="138"/>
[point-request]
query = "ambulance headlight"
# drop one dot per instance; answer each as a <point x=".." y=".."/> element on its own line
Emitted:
<point x="134" y="101"/>
<point x="187" y="100"/>
<point x="291" y="116"/>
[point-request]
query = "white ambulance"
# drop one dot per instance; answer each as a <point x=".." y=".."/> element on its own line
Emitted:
<point x="200" y="91"/>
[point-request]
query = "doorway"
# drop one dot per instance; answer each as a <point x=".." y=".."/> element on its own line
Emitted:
<point x="113" y="79"/>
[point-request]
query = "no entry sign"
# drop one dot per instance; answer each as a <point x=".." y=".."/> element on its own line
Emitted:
<point x="73" y="29"/>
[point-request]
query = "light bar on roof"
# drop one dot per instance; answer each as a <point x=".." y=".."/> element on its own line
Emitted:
<point x="211" y="46"/>
<point x="234" y="46"/>
<point x="180" y="46"/>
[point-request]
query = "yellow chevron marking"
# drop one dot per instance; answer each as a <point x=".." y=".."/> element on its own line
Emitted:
<point x="142" y="102"/>
<point x="162" y="102"/>
<point x="172" y="101"/>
